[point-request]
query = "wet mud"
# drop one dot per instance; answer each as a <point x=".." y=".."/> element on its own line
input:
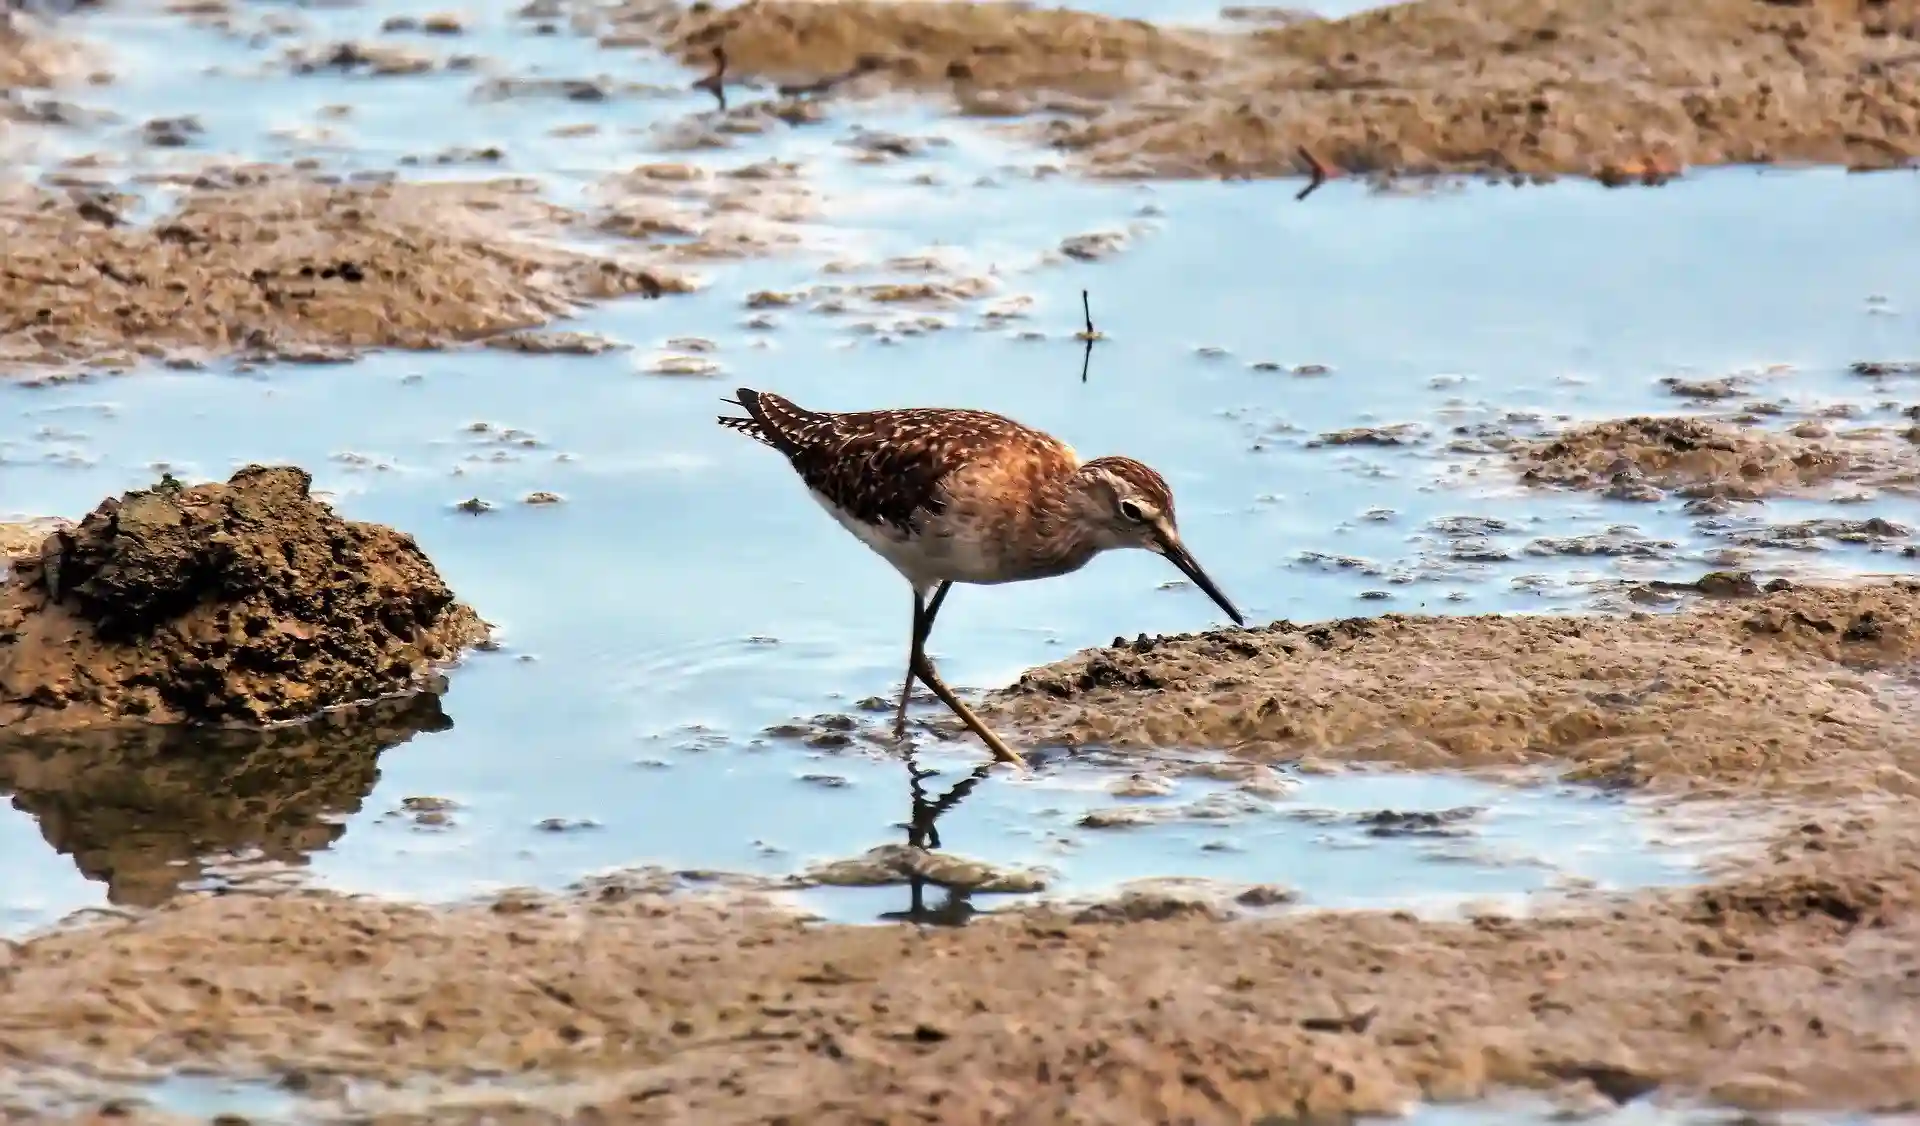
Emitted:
<point x="146" y="810"/>
<point x="244" y="602"/>
<point x="654" y="996"/>
<point x="258" y="263"/>
<point x="1522" y="87"/>
<point x="1646" y="458"/>
<point x="1791" y="690"/>
<point x="32" y="58"/>
<point x="1785" y="985"/>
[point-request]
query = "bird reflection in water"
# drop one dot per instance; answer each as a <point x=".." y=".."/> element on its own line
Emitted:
<point x="923" y="832"/>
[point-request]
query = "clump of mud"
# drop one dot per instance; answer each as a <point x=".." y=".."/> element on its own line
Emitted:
<point x="1775" y="692"/>
<point x="1641" y="458"/>
<point x="1623" y="92"/>
<point x="246" y="602"/>
<point x="144" y="809"/>
<point x="283" y="269"/>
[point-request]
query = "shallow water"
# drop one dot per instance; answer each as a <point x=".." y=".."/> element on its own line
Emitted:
<point x="685" y="596"/>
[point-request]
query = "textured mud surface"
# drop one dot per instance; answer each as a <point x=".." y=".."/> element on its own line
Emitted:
<point x="32" y="60"/>
<point x="1784" y="984"/>
<point x="142" y="809"/>
<point x="1788" y="984"/>
<point x="1643" y="458"/>
<point x="272" y="268"/>
<point x="1798" y="689"/>
<point x="1634" y="91"/>
<point x="244" y="602"/>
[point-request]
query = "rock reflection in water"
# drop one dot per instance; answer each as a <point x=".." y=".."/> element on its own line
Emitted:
<point x="142" y="809"/>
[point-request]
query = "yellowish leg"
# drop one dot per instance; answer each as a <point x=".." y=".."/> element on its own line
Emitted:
<point x="923" y="668"/>
<point x="922" y="626"/>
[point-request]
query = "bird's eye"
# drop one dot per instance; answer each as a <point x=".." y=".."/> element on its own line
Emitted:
<point x="1132" y="511"/>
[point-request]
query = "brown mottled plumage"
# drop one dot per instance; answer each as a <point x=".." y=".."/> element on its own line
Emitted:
<point x="949" y="495"/>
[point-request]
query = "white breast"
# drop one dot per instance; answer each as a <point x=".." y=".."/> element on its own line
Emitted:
<point x="923" y="559"/>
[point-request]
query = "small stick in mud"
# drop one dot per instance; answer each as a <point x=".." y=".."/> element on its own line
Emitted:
<point x="715" y="83"/>
<point x="1088" y="335"/>
<point x="1320" y="172"/>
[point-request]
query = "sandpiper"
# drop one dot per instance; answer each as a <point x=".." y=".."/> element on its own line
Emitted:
<point x="967" y="496"/>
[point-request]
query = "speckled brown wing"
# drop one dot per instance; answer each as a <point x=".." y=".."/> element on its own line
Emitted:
<point x="880" y="467"/>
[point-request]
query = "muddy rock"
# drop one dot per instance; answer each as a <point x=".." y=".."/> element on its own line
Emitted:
<point x="1773" y="692"/>
<point x="246" y="602"/>
<point x="141" y="809"/>
<point x="1649" y="455"/>
<point x="280" y="268"/>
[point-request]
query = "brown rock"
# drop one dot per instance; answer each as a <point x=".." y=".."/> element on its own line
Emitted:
<point x="245" y="602"/>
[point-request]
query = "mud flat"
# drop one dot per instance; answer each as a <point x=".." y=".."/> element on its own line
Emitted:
<point x="1524" y="87"/>
<point x="1786" y="983"/>
<point x="1789" y="691"/>
<point x="265" y="265"/>
<point x="245" y="602"/>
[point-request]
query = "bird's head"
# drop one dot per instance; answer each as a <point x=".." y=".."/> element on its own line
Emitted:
<point x="1127" y="504"/>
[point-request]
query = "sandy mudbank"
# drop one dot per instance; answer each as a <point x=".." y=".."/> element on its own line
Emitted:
<point x="245" y="602"/>
<point x="1785" y="984"/>
<point x="287" y="270"/>
<point x="1784" y="691"/>
<point x="1788" y="985"/>
<point x="1617" y="90"/>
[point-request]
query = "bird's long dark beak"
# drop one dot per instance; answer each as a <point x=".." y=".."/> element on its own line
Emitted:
<point x="1176" y="553"/>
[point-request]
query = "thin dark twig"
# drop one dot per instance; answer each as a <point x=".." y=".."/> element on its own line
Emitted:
<point x="1321" y="173"/>
<point x="1087" y="335"/>
<point x="715" y="83"/>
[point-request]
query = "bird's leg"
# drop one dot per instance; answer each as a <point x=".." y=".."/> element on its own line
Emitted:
<point x="923" y="668"/>
<point x="922" y="626"/>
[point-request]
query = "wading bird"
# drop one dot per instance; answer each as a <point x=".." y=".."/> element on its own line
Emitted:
<point x="965" y="496"/>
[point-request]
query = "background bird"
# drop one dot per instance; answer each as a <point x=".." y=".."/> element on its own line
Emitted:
<point x="967" y="496"/>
